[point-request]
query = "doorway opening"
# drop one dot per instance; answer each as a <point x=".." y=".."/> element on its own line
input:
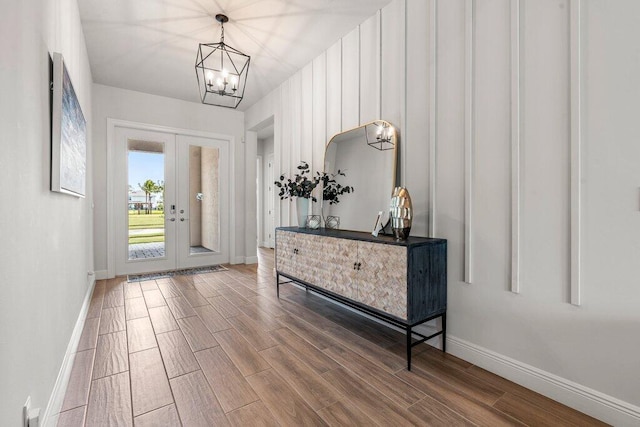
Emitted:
<point x="265" y="189"/>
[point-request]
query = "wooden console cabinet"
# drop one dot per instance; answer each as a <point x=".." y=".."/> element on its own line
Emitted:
<point x="401" y="282"/>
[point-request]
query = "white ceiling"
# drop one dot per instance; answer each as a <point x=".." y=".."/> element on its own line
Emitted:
<point x="150" y="45"/>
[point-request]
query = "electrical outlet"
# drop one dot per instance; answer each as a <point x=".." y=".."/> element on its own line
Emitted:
<point x="25" y="412"/>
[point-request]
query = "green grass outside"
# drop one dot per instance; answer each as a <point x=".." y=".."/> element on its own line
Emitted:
<point x="146" y="239"/>
<point x="153" y="220"/>
<point x="143" y="221"/>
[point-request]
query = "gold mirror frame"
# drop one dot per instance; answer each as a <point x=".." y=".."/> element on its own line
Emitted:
<point x="368" y="135"/>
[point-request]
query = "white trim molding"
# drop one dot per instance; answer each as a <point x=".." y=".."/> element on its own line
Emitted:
<point x="433" y="114"/>
<point x="380" y="28"/>
<point x="403" y="105"/>
<point x="469" y="137"/>
<point x="50" y="417"/>
<point x="251" y="260"/>
<point x="515" y="146"/>
<point x="575" y="47"/>
<point x="584" y="399"/>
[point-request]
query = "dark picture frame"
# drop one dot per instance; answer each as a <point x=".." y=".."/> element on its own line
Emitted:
<point x="68" y="134"/>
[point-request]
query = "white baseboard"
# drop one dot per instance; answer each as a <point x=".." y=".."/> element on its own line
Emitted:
<point x="101" y="275"/>
<point x="594" y="403"/>
<point x="56" y="399"/>
<point x="237" y="260"/>
<point x="244" y="260"/>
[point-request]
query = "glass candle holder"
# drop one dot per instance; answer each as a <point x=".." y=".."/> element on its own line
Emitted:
<point x="313" y="221"/>
<point x="332" y="222"/>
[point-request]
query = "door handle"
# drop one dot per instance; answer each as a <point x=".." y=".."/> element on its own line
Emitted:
<point x="172" y="219"/>
<point x="184" y="219"/>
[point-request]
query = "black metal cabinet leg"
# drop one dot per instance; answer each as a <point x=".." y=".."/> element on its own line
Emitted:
<point x="444" y="333"/>
<point x="408" y="348"/>
<point x="278" y="285"/>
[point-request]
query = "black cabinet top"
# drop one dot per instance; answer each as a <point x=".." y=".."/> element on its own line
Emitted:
<point x="366" y="237"/>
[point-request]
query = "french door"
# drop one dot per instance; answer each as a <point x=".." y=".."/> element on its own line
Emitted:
<point x="171" y="201"/>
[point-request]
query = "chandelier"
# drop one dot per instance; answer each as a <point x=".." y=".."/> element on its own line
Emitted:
<point x="221" y="71"/>
<point x="384" y="136"/>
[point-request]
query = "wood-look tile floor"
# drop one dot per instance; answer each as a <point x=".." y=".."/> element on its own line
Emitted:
<point x="221" y="349"/>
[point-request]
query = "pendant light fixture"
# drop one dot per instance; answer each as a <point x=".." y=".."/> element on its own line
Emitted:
<point x="221" y="71"/>
<point x="384" y="136"/>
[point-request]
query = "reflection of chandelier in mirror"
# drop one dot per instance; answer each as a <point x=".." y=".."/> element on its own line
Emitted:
<point x="221" y="71"/>
<point x="384" y="135"/>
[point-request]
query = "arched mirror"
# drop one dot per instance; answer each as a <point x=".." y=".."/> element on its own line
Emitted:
<point x="367" y="157"/>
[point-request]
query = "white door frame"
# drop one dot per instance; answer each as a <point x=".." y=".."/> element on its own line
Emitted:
<point x="269" y="210"/>
<point x="111" y="173"/>
<point x="259" y="200"/>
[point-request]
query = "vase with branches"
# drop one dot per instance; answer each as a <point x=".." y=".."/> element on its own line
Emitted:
<point x="302" y="184"/>
<point x="300" y="187"/>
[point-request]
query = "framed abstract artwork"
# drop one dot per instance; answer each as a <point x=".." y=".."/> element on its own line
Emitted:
<point x="68" y="135"/>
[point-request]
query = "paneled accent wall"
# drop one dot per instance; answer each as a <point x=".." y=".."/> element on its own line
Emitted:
<point x="419" y="69"/>
<point x="433" y="118"/>
<point x="334" y="89"/>
<point x="370" y="66"/>
<point x="575" y="52"/>
<point x="351" y="79"/>
<point x="505" y="117"/>
<point x="469" y="135"/>
<point x="515" y="146"/>
<point x="319" y="116"/>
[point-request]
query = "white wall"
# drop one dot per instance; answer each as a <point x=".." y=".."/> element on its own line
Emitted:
<point x="46" y="246"/>
<point x="452" y="96"/>
<point x="110" y="102"/>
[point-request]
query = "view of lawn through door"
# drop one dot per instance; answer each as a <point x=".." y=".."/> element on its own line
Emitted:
<point x="146" y="226"/>
<point x="146" y="216"/>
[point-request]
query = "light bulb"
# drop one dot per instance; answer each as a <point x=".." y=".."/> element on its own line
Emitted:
<point x="210" y="77"/>
<point x="225" y="74"/>
<point x="234" y="82"/>
<point x="219" y="83"/>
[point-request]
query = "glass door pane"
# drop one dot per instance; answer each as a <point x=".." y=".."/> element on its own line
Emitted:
<point x="144" y="185"/>
<point x="145" y="209"/>
<point x="204" y="200"/>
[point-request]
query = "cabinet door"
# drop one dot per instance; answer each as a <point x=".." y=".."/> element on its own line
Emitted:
<point x="382" y="278"/>
<point x="307" y="257"/>
<point x="336" y="265"/>
<point x="285" y="255"/>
